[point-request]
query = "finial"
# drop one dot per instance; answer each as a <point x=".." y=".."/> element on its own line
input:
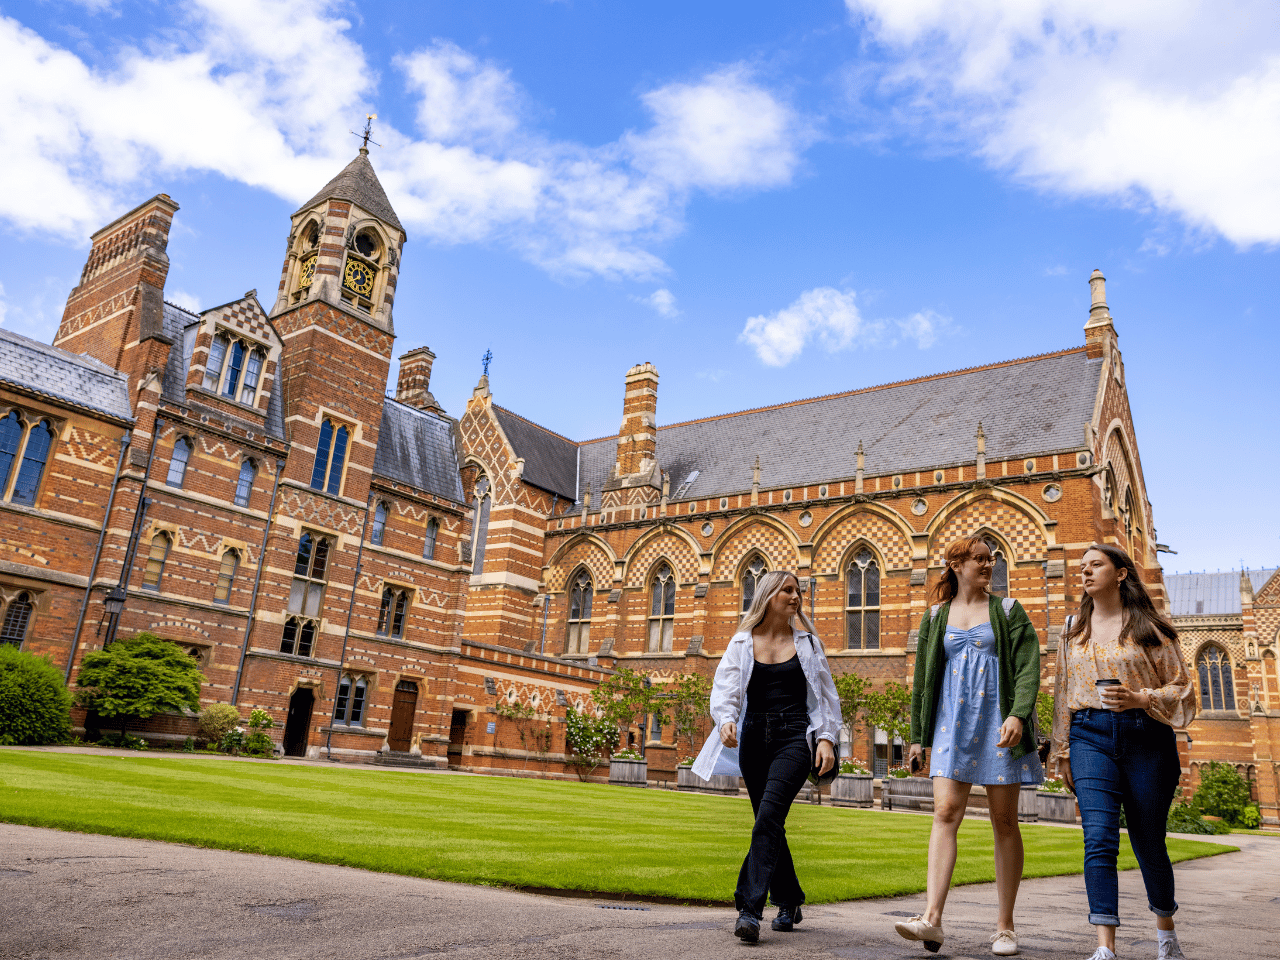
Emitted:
<point x="368" y="132"/>
<point x="486" y="360"/>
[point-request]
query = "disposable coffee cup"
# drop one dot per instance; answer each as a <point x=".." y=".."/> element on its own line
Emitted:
<point x="1111" y="682"/>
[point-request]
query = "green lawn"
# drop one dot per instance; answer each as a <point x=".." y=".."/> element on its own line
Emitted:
<point x="498" y="830"/>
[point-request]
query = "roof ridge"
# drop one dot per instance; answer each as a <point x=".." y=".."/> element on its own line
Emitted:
<point x="417" y="410"/>
<point x="187" y="310"/>
<point x="533" y="423"/>
<point x="849" y="393"/>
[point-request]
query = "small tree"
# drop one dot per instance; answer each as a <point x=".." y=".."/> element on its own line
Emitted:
<point x="852" y="690"/>
<point x="890" y="710"/>
<point x="1044" y="714"/>
<point x="34" y="703"/>
<point x="688" y="700"/>
<point x="1223" y="793"/>
<point x="138" y="677"/>
<point x="624" y="699"/>
<point x="587" y="740"/>
<point x="533" y="739"/>
<point x="216" y="719"/>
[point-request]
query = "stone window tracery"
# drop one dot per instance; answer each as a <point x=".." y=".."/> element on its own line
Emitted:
<point x="662" y="610"/>
<point x="579" y="630"/>
<point x="379" y="524"/>
<point x="750" y="579"/>
<point x="331" y="456"/>
<point x="178" y="462"/>
<point x="244" y="483"/>
<point x="234" y="367"/>
<point x="862" y="604"/>
<point x="1216" y="689"/>
<point x="17" y="617"/>
<point x="391" y="614"/>
<point x="159" y="552"/>
<point x="429" y="539"/>
<point x="226" y="576"/>
<point x="29" y="446"/>
<point x="480" y="523"/>
<point x="349" y="708"/>
<point x="306" y="594"/>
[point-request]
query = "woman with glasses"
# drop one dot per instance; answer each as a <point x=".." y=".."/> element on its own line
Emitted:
<point x="973" y="703"/>
<point x="1122" y="687"/>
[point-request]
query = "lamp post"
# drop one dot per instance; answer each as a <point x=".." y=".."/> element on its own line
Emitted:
<point x="113" y="602"/>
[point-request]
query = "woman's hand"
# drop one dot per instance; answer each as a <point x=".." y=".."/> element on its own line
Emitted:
<point x="1064" y="771"/>
<point x="826" y="757"/>
<point x="729" y="734"/>
<point x="1118" y="697"/>
<point x="1010" y="732"/>
<point x="915" y="757"/>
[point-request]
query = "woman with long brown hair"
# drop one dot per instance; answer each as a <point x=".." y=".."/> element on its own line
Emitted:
<point x="1122" y="686"/>
<point x="974" y="702"/>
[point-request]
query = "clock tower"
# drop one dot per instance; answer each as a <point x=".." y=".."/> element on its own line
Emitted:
<point x="333" y="315"/>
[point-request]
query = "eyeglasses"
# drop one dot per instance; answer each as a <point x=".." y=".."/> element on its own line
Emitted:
<point x="986" y="561"/>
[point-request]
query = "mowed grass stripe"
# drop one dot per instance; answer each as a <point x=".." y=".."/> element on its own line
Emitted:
<point x="499" y="830"/>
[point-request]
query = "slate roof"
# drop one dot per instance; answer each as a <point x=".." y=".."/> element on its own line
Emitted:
<point x="550" y="460"/>
<point x="69" y="378"/>
<point x="360" y="184"/>
<point x="416" y="448"/>
<point x="1210" y="594"/>
<point x="1030" y="407"/>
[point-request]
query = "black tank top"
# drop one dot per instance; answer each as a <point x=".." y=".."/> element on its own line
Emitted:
<point x="777" y="688"/>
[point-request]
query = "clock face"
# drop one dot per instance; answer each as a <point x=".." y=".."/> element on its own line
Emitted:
<point x="358" y="278"/>
<point x="308" y="271"/>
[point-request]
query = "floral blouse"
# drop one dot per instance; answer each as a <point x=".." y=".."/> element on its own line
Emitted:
<point x="1158" y="671"/>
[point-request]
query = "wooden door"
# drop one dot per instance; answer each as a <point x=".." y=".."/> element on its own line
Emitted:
<point x="403" y="708"/>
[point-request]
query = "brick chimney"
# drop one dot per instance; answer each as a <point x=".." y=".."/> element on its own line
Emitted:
<point x="414" y="380"/>
<point x="638" y="435"/>
<point x="116" y="314"/>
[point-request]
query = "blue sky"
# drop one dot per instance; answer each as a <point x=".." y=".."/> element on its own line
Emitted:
<point x="767" y="201"/>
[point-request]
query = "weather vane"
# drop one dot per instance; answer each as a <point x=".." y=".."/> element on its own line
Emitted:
<point x="486" y="360"/>
<point x="368" y="132"/>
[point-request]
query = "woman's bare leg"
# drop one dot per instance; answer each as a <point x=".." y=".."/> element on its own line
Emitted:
<point x="1002" y="800"/>
<point x="950" y="797"/>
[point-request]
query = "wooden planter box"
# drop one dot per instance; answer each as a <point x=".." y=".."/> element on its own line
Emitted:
<point x="1028" y="808"/>
<point x="629" y="773"/>
<point x="1056" y="807"/>
<point x="906" y="793"/>
<point x="852" y="790"/>
<point x="686" y="779"/>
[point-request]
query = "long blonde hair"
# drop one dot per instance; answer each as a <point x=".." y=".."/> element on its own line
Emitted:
<point x="766" y="587"/>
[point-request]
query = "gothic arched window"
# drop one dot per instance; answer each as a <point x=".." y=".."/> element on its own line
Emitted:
<point x="429" y="539"/>
<point x="1216" y="689"/>
<point x="331" y="454"/>
<point x="178" y="462"/>
<point x="662" y="610"/>
<point x="1128" y="518"/>
<point x="34" y="457"/>
<point x="10" y="441"/>
<point x="392" y="612"/>
<point x="862" y="606"/>
<point x="226" y="574"/>
<point x="160" y="544"/>
<point x="579" y="613"/>
<point x="217" y="357"/>
<point x="244" y="483"/>
<point x="480" y="523"/>
<point x="750" y="578"/>
<point x="16" y="618"/>
<point x="305" y="595"/>
<point x="379" y="524"/>
<point x="999" y="570"/>
<point x="349" y="707"/>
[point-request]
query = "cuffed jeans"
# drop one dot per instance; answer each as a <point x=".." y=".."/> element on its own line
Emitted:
<point x="774" y="759"/>
<point x="1124" y="759"/>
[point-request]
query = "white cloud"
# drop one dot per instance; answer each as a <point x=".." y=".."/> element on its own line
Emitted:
<point x="237" y="90"/>
<point x="662" y="301"/>
<point x="1170" y="104"/>
<point x="924" y="328"/>
<point x="824" y="314"/>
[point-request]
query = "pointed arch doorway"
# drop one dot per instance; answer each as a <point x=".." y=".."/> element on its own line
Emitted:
<point x="403" y="707"/>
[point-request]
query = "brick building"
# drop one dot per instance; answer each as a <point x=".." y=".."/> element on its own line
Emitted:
<point x="383" y="578"/>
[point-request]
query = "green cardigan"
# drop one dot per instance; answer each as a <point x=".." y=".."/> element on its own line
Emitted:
<point x="1018" y="649"/>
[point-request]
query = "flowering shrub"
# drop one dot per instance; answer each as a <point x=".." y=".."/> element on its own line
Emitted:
<point x="685" y="762"/>
<point x="899" y="773"/>
<point x="1053" y="786"/>
<point x="258" y="744"/>
<point x="628" y="754"/>
<point x="856" y="767"/>
<point x="587" y="740"/>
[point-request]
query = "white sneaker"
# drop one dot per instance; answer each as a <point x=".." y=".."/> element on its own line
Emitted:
<point x="1170" y="950"/>
<point x="1102" y="953"/>
<point x="1004" y="943"/>
<point x="917" y="928"/>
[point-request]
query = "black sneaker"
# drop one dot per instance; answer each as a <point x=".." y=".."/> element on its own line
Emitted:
<point x="787" y="918"/>
<point x="747" y="929"/>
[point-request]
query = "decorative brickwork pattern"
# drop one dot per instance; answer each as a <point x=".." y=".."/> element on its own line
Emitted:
<point x="245" y="315"/>
<point x="768" y="539"/>
<point x="671" y="548"/>
<point x="582" y="554"/>
<point x="1018" y="530"/>
<point x="868" y="526"/>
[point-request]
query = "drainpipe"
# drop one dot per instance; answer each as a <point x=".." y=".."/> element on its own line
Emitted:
<point x="546" y="602"/>
<point x="122" y="587"/>
<point x="257" y="579"/>
<point x="97" y="553"/>
<point x="328" y="740"/>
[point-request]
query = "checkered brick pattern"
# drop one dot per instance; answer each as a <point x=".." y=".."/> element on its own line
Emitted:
<point x="481" y="438"/>
<point x="887" y="538"/>
<point x="1018" y="529"/>
<point x="674" y="550"/>
<point x="1194" y="641"/>
<point x="581" y="554"/>
<point x="777" y="550"/>
<point x="246" y="316"/>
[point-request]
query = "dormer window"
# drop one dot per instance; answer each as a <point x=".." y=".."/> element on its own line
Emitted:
<point x="234" y="368"/>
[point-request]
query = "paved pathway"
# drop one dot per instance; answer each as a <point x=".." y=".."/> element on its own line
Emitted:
<point x="67" y="895"/>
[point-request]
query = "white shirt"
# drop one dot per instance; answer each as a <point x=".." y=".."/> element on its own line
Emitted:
<point x="729" y="700"/>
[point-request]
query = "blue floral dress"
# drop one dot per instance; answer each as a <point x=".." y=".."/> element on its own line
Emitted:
<point x="968" y="724"/>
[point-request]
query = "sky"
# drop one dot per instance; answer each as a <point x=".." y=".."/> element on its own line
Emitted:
<point x="767" y="201"/>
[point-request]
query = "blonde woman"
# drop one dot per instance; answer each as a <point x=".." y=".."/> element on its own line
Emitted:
<point x="1122" y="688"/>
<point x="777" y="717"/>
<point x="972" y="703"/>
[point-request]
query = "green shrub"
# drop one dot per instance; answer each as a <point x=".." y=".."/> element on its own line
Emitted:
<point x="216" y="719"/>
<point x="1252" y="817"/>
<point x="138" y="677"/>
<point x="1222" y="793"/>
<point x="123" y="741"/>
<point x="34" y="703"/>
<point x="1185" y="818"/>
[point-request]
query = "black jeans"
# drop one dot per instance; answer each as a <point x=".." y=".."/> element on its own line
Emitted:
<point x="775" y="762"/>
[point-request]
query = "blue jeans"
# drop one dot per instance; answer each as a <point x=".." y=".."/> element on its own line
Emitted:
<point x="775" y="762"/>
<point x="1124" y="760"/>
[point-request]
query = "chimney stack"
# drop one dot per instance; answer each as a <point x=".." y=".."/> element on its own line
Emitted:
<point x="414" y="380"/>
<point x="1099" y="331"/>
<point x="638" y="435"/>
